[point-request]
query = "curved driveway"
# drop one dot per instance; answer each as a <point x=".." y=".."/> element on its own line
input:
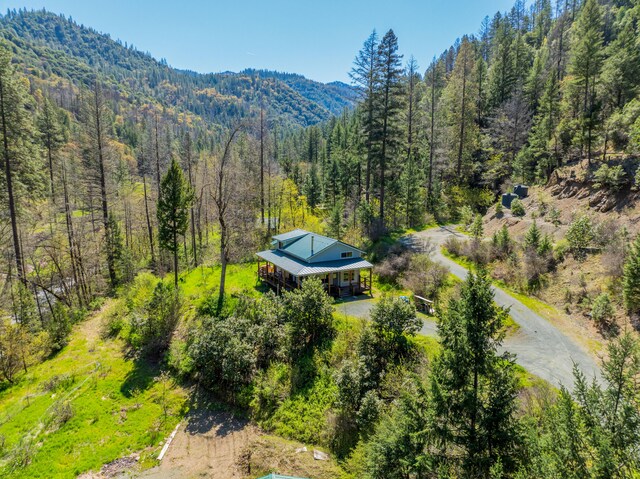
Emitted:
<point x="540" y="347"/>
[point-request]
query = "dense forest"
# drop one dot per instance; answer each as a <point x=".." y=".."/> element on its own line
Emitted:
<point x="135" y="195"/>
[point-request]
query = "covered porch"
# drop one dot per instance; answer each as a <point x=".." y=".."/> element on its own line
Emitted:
<point x="340" y="281"/>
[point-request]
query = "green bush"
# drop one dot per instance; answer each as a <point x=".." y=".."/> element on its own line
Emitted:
<point x="580" y="236"/>
<point x="271" y="389"/>
<point x="612" y="178"/>
<point x="151" y="329"/>
<point x="602" y="310"/>
<point x="517" y="208"/>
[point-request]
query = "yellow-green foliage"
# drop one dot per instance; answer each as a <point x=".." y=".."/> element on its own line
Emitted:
<point x="85" y="407"/>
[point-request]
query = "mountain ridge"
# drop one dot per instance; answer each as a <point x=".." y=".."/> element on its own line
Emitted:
<point x="55" y="44"/>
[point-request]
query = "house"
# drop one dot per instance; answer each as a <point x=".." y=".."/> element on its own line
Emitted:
<point x="299" y="254"/>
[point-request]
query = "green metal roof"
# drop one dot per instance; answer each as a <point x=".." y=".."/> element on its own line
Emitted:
<point x="308" y="245"/>
<point x="290" y="235"/>
<point x="299" y="267"/>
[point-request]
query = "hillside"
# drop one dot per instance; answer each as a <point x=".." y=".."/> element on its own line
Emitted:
<point x="52" y="45"/>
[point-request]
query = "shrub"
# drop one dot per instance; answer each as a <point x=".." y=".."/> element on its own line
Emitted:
<point x="223" y="358"/>
<point x="308" y="313"/>
<point x="517" y="208"/>
<point x="499" y="209"/>
<point x="59" y="327"/>
<point x="454" y="246"/>
<point x="394" y="264"/>
<point x="612" y="178"/>
<point x="424" y="277"/>
<point x="271" y="389"/>
<point x="580" y="235"/>
<point x="602" y="310"/>
<point x="151" y="331"/>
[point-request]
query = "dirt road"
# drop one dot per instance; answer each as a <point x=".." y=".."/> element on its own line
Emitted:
<point x="207" y="444"/>
<point x="541" y="347"/>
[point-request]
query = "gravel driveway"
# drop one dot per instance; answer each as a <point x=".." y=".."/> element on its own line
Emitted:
<point x="540" y="347"/>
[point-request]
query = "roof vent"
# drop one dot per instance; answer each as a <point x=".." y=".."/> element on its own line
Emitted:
<point x="311" y="245"/>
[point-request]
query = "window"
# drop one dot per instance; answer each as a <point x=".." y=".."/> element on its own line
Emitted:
<point x="346" y="254"/>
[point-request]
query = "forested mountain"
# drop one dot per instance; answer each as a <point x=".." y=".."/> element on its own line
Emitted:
<point x="55" y="45"/>
<point x="535" y="88"/>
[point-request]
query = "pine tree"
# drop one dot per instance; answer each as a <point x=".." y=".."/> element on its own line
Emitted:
<point x="173" y="211"/>
<point x="335" y="220"/>
<point x="366" y="75"/>
<point x="460" y="111"/>
<point x="389" y="105"/>
<point x="52" y="135"/>
<point x="312" y="187"/>
<point x="21" y="173"/>
<point x="631" y="278"/>
<point x="585" y="65"/>
<point x="98" y="127"/>
<point x="435" y="82"/>
<point x="474" y="389"/>
<point x="533" y="237"/>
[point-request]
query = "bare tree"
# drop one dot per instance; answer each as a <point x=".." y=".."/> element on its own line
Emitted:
<point x="224" y="194"/>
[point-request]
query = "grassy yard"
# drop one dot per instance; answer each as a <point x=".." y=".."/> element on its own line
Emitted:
<point x="85" y="407"/>
<point x="205" y="281"/>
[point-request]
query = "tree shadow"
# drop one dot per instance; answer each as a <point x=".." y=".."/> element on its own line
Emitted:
<point x="141" y="376"/>
<point x="202" y="421"/>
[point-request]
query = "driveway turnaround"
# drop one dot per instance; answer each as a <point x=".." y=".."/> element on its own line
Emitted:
<point x="540" y="347"/>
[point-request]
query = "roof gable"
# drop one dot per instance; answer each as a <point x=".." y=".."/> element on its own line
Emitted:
<point x="297" y="233"/>
<point x="311" y="247"/>
<point x="308" y="245"/>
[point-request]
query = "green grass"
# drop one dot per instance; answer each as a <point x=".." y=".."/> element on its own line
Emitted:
<point x="205" y="281"/>
<point x="116" y="404"/>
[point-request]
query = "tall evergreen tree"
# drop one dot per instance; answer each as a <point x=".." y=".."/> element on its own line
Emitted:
<point x="585" y="65"/>
<point x="21" y="172"/>
<point x="173" y="211"/>
<point x="473" y="388"/>
<point x="460" y="109"/>
<point x="52" y="135"/>
<point x="366" y="75"/>
<point x="389" y="106"/>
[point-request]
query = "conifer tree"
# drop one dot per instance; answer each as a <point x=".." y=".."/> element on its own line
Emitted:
<point x="52" y="135"/>
<point x="389" y="105"/>
<point x="473" y="388"/>
<point x="631" y="278"/>
<point x="173" y="211"/>
<point x="21" y="173"/>
<point x="366" y="75"/>
<point x="460" y="108"/>
<point x="585" y="65"/>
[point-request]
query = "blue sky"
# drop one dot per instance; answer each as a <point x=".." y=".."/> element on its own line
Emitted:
<point x="318" y="39"/>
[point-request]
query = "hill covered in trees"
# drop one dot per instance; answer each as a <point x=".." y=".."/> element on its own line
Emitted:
<point x="53" y="46"/>
<point x="539" y="86"/>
